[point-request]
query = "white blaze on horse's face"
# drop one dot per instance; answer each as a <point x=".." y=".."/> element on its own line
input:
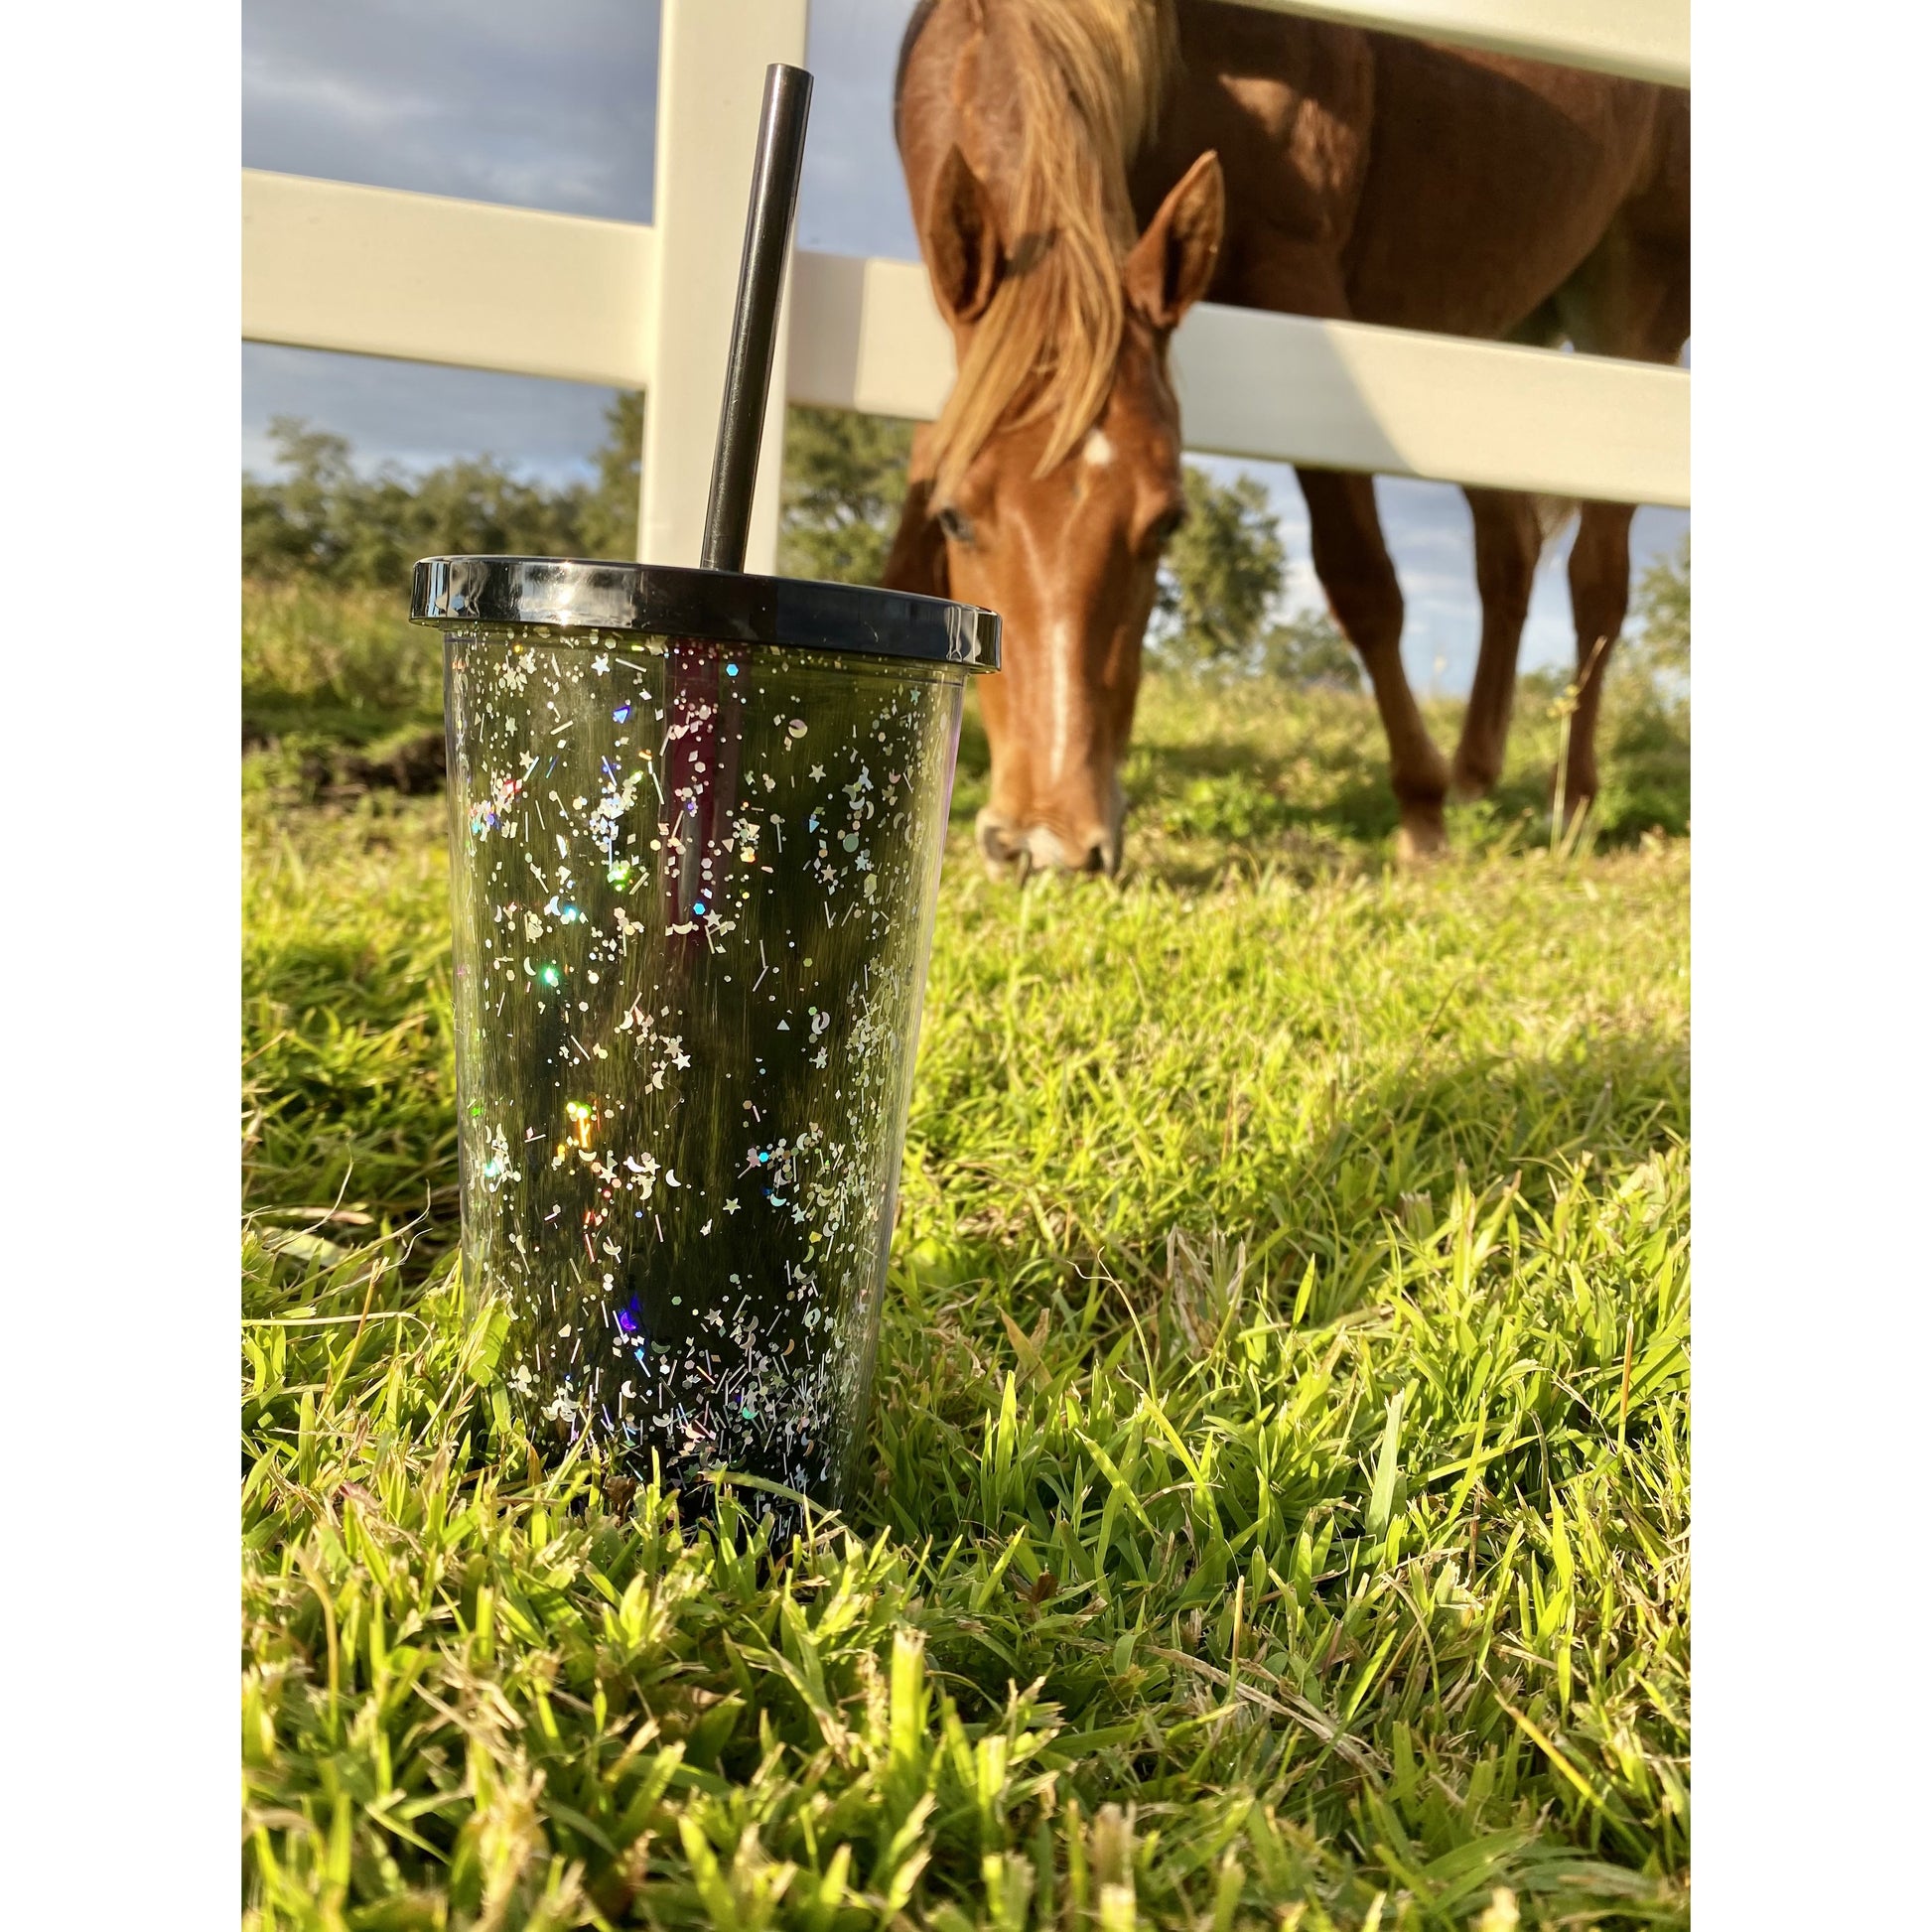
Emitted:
<point x="1061" y="648"/>
<point x="1070" y="556"/>
<point x="1069" y="560"/>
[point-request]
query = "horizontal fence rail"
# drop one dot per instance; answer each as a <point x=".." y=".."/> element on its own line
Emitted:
<point x="1643" y="39"/>
<point x="325" y="264"/>
<point x="379" y="272"/>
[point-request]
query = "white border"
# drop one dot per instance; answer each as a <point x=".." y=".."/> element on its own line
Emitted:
<point x="1809" y="1056"/>
<point x="120" y="146"/>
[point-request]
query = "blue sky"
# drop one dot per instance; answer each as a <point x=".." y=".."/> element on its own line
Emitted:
<point x="553" y="107"/>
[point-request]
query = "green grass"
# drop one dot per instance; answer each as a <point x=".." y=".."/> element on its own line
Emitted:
<point x="1281" y="1446"/>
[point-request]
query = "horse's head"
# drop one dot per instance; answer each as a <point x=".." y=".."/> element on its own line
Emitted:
<point x="1059" y="529"/>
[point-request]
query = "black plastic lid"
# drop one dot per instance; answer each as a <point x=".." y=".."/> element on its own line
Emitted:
<point x="454" y="591"/>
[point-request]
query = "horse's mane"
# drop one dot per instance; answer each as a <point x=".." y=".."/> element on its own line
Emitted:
<point x="1089" y="76"/>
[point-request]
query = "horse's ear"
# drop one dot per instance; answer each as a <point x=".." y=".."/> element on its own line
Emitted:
<point x="963" y="249"/>
<point x="1174" y="261"/>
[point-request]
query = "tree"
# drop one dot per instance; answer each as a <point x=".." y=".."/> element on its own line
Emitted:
<point x="323" y="519"/>
<point x="844" y="480"/>
<point x="1309" y="650"/>
<point x="1224" y="568"/>
<point x="1663" y="608"/>
<point x="609" y="523"/>
<point x="845" y="476"/>
<point x="294" y="525"/>
<point x="844" y="483"/>
<point x="475" y="507"/>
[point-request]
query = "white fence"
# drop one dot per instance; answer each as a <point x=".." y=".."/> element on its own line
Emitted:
<point x="376" y="272"/>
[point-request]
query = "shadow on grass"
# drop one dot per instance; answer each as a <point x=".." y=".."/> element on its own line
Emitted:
<point x="1383" y="1171"/>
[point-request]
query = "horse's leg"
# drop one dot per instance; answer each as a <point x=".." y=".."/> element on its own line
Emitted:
<point x="1352" y="562"/>
<point x="1511" y="528"/>
<point x="1600" y="595"/>
<point x="1600" y="564"/>
<point x="1296" y="276"/>
<point x="1509" y="540"/>
<point x="1632" y="297"/>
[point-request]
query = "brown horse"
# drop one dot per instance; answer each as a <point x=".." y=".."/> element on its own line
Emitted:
<point x="1081" y="171"/>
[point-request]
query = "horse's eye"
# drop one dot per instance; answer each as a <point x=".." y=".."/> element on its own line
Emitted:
<point x="958" y="528"/>
<point x="1165" y="526"/>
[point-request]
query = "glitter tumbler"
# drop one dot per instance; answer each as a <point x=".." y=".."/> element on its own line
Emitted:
<point x="696" y="821"/>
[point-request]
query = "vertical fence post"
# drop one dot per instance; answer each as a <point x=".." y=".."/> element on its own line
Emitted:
<point x="710" y="65"/>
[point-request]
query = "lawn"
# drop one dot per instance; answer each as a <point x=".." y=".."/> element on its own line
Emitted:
<point x="1280" y="1498"/>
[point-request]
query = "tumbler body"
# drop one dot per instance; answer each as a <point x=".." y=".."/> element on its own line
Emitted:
<point x="693" y="885"/>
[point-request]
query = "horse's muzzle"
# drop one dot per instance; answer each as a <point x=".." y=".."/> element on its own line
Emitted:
<point x="1039" y="848"/>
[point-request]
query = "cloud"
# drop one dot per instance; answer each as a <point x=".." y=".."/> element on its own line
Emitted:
<point x="551" y="107"/>
<point x="852" y="201"/>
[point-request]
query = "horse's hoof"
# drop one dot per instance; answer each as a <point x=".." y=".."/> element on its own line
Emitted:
<point x="1421" y="838"/>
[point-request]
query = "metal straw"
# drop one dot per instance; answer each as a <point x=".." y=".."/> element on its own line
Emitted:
<point x="755" y="322"/>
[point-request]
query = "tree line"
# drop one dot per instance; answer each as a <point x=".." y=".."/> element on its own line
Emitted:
<point x="1217" y="610"/>
<point x="325" y="520"/>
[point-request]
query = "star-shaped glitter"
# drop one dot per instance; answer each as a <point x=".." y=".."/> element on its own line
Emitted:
<point x="818" y="772"/>
<point x="731" y="1207"/>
